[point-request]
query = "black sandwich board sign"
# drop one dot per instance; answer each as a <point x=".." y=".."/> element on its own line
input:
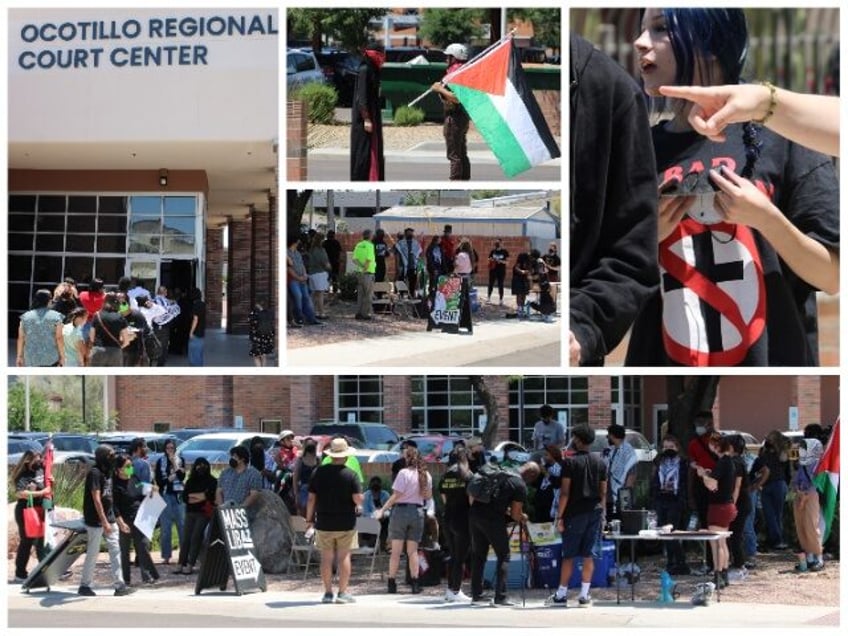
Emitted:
<point x="60" y="559"/>
<point x="449" y="305"/>
<point x="229" y="553"/>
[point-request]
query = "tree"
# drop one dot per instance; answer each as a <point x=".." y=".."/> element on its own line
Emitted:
<point x="56" y="404"/>
<point x="686" y="397"/>
<point x="419" y="197"/>
<point x="347" y="28"/>
<point x="546" y="25"/>
<point x="296" y="202"/>
<point x="445" y="26"/>
<point x="490" y="404"/>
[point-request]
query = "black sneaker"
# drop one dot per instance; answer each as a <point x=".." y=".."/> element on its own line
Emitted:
<point x="555" y="601"/>
<point x="124" y="591"/>
<point x="584" y="601"/>
<point x="481" y="600"/>
<point x="327" y="598"/>
<point x="392" y="587"/>
<point x="84" y="590"/>
<point x="504" y="602"/>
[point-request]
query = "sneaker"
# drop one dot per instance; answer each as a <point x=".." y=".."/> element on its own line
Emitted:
<point x="124" y="591"/>
<point x="750" y="565"/>
<point x="84" y="590"/>
<point x="456" y="597"/>
<point x="392" y="587"/>
<point x="555" y="601"/>
<point x="327" y="598"/>
<point x="736" y="575"/>
<point x="584" y="601"/>
<point x="481" y="600"/>
<point x="800" y="567"/>
<point x="816" y="566"/>
<point x="344" y="597"/>
<point x="781" y="546"/>
<point x="19" y="579"/>
<point x="504" y="602"/>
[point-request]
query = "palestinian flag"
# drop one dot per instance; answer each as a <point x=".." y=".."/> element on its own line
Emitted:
<point x="494" y="92"/>
<point x="827" y="480"/>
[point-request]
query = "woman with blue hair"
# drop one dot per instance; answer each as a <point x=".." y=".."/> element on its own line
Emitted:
<point x="748" y="229"/>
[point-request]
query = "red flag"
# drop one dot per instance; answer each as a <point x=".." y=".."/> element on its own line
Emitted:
<point x="47" y="458"/>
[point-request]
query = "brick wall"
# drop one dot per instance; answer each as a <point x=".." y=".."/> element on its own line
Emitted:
<point x="240" y="275"/>
<point x="808" y="399"/>
<point x="549" y="103"/>
<point x="296" y="127"/>
<point x="397" y="402"/>
<point x="214" y="273"/>
<point x="600" y="388"/>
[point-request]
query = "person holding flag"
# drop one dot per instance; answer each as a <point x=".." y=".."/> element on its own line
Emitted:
<point x="805" y="507"/>
<point x="456" y="119"/>
<point x="826" y="479"/>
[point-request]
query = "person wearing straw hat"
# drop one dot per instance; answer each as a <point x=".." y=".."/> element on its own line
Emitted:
<point x="335" y="492"/>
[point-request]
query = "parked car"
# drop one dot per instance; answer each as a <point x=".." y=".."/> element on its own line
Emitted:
<point x="301" y="69"/>
<point x="509" y="452"/>
<point x="155" y="443"/>
<point x="182" y="434"/>
<point x="645" y="451"/>
<point x="433" y="447"/>
<point x="372" y="435"/>
<point x="215" y="447"/>
<point x="340" y="70"/>
<point x="752" y="444"/>
<point x="18" y="446"/>
<point x="403" y="54"/>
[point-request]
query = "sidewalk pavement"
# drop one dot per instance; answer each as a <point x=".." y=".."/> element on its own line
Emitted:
<point x="436" y="349"/>
<point x="179" y="607"/>
<point x="220" y="350"/>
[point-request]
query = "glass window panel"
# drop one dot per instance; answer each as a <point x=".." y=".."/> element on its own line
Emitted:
<point x="178" y="245"/>
<point x="145" y="225"/>
<point x="20" y="296"/>
<point x="51" y="223"/>
<point x="49" y="243"/>
<point x="47" y="269"/>
<point x="437" y="400"/>
<point x="109" y="269"/>
<point x="417" y="384"/>
<point x="347" y="384"/>
<point x="107" y="244"/>
<point x="20" y="241"/>
<point x="557" y="397"/>
<point x="580" y="383"/>
<point x="437" y="384"/>
<point x="180" y="206"/>
<point x="144" y="244"/>
<point x="21" y="222"/>
<point x="20" y="267"/>
<point x="146" y="206"/>
<point x="417" y="400"/>
<point x="461" y="420"/>
<point x="21" y="203"/>
<point x="580" y="397"/>
<point x="80" y="243"/>
<point x="348" y="402"/>
<point x="82" y="205"/>
<point x="82" y="223"/>
<point x="369" y="400"/>
<point x="113" y="205"/>
<point x="460" y="384"/>
<point x="51" y="203"/>
<point x="437" y="421"/>
<point x="534" y="384"/>
<point x="112" y="224"/>
<point x="462" y="398"/>
<point x="79" y="267"/>
<point x="370" y="384"/>
<point x="180" y="225"/>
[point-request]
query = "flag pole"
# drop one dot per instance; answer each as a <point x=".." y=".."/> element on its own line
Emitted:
<point x="474" y="59"/>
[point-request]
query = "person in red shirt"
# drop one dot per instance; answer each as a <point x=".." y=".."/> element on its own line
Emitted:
<point x="700" y="456"/>
<point x="448" y="246"/>
<point x="92" y="299"/>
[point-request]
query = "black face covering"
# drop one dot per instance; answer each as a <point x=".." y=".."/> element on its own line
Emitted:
<point x="36" y="465"/>
<point x="670" y="453"/>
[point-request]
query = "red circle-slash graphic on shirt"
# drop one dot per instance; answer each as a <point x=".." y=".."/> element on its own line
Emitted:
<point x="695" y="289"/>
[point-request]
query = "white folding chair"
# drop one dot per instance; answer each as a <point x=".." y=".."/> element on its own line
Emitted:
<point x="404" y="300"/>
<point x="302" y="547"/>
<point x="384" y="296"/>
<point x="370" y="528"/>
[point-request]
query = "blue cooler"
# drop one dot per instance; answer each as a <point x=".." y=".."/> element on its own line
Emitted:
<point x="516" y="577"/>
<point x="475" y="303"/>
<point x="603" y="565"/>
<point x="548" y="566"/>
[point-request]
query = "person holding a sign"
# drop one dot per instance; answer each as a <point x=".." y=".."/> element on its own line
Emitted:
<point x="30" y="487"/>
<point x="335" y="492"/>
<point x="128" y="497"/>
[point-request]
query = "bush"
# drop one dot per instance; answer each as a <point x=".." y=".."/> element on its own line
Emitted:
<point x="347" y="287"/>
<point x="320" y="101"/>
<point x="408" y="116"/>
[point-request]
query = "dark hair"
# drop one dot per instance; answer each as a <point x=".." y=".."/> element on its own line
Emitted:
<point x="241" y="452"/>
<point x="737" y="442"/>
<point x="704" y="417"/>
<point x="725" y="442"/>
<point x="75" y="313"/>
<point x="23" y="462"/>
<point x="137" y="443"/>
<point x="124" y="283"/>
<point x="310" y="446"/>
<point x="110" y="301"/>
<point x="584" y="434"/>
<point x="41" y="299"/>
<point x="96" y="285"/>
<point x="196" y="294"/>
<point x="408" y="443"/>
<point x="615" y="430"/>
<point x="375" y="480"/>
<point x="121" y="460"/>
<point x="546" y="410"/>
<point x="142" y="299"/>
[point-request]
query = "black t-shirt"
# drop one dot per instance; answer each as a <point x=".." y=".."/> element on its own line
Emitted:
<point x="726" y="298"/>
<point x="333" y="249"/>
<point x="198" y="309"/>
<point x="381" y="250"/>
<point x="586" y="472"/>
<point x="112" y="322"/>
<point x="97" y="480"/>
<point x="334" y="486"/>
<point x="777" y="469"/>
<point x="30" y="480"/>
<point x="512" y="489"/>
<point x="743" y="501"/>
<point x="500" y="256"/>
<point x="725" y="473"/>
<point x="453" y="487"/>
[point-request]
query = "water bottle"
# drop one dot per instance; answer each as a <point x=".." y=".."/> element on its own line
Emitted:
<point x="652" y="520"/>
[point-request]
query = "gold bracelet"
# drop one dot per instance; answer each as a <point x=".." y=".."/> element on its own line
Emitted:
<point x="772" y="103"/>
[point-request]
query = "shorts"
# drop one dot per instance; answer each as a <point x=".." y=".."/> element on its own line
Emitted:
<point x="581" y="535"/>
<point x="406" y="524"/>
<point x="721" y="515"/>
<point x="336" y="540"/>
<point x="319" y="282"/>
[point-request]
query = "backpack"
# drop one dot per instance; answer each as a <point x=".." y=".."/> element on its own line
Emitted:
<point x="265" y="323"/>
<point x="487" y="484"/>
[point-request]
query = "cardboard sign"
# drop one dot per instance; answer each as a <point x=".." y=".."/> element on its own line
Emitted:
<point x="230" y="553"/>
<point x="60" y="559"/>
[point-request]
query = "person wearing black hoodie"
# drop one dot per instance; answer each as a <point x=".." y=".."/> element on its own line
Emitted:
<point x="613" y="214"/>
<point x="129" y="494"/>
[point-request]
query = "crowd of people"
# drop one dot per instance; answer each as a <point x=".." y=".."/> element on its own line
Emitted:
<point x="120" y="326"/>
<point x="740" y="168"/>
<point x="315" y="266"/>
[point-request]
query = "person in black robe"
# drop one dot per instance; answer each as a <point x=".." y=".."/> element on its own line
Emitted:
<point x="366" y="128"/>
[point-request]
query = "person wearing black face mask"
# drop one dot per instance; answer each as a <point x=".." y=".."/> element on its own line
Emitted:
<point x="101" y="523"/>
<point x="497" y="270"/>
<point x="668" y="497"/>
<point x="241" y="483"/>
<point x="200" y="490"/>
<point x="28" y="478"/>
